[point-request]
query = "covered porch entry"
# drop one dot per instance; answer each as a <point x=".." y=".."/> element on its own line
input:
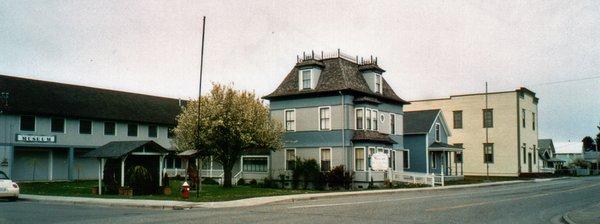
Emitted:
<point x="441" y="162"/>
<point x="115" y="158"/>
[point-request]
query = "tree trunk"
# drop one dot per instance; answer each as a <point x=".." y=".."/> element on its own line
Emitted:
<point x="227" y="176"/>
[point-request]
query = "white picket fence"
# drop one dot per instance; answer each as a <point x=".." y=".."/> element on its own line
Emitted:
<point x="417" y="178"/>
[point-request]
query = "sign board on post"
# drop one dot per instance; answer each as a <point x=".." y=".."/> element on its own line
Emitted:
<point x="379" y="161"/>
<point x="36" y="138"/>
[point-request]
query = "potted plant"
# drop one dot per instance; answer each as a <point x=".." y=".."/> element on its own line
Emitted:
<point x="167" y="188"/>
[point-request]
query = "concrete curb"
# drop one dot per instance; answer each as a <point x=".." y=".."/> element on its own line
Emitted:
<point x="180" y="205"/>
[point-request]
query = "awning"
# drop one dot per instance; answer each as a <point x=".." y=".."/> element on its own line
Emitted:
<point x="119" y="149"/>
<point x="444" y="147"/>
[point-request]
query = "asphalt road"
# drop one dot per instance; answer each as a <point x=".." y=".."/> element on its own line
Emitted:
<point x="541" y="202"/>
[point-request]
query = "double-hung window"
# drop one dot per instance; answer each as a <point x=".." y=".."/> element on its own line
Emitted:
<point x="360" y="119"/>
<point x="406" y="159"/>
<point x="109" y="128"/>
<point x="325" y="118"/>
<point x="488" y="152"/>
<point x="290" y="158"/>
<point x="524" y="152"/>
<point x="378" y="86"/>
<point x="534" y="155"/>
<point x="325" y="159"/>
<point x="392" y="124"/>
<point x="488" y="118"/>
<point x="359" y="159"/>
<point x="368" y="118"/>
<point x="523" y="120"/>
<point x="533" y="120"/>
<point x="57" y="125"/>
<point x="458" y="124"/>
<point x="132" y="130"/>
<point x="152" y="131"/>
<point x="437" y="132"/>
<point x="27" y="123"/>
<point x="85" y="127"/>
<point x="290" y="120"/>
<point x="255" y="164"/>
<point x="306" y="79"/>
<point x="458" y="156"/>
<point x="374" y="120"/>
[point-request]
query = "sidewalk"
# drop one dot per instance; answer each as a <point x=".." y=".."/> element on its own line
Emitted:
<point x="163" y="204"/>
<point x="587" y="215"/>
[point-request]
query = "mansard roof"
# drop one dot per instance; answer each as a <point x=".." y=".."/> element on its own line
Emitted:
<point x="337" y="74"/>
<point x="35" y="97"/>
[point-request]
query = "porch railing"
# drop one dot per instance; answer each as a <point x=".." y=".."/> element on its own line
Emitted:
<point x="414" y="178"/>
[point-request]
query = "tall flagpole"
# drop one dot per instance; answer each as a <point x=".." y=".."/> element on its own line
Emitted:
<point x="198" y="187"/>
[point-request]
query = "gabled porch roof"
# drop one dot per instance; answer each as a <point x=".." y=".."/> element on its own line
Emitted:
<point x="118" y="149"/>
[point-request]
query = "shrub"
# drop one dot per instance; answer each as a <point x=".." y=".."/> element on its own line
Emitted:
<point x="321" y="181"/>
<point x="339" y="178"/>
<point x="579" y="162"/>
<point x="282" y="178"/>
<point x="268" y="182"/>
<point x="140" y="180"/>
<point x="166" y="179"/>
<point x="253" y="182"/>
<point x="209" y="181"/>
<point x="241" y="181"/>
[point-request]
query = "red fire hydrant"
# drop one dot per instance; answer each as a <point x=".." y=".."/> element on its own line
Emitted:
<point x="185" y="190"/>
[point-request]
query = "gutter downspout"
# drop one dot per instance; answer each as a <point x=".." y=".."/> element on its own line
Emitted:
<point x="343" y="130"/>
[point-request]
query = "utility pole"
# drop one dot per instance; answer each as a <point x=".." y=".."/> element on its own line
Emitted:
<point x="4" y="104"/>
<point x="198" y="154"/>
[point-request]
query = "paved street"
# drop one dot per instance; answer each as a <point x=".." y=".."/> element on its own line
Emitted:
<point x="519" y="203"/>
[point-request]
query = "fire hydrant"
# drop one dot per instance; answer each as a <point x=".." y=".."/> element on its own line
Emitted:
<point x="185" y="190"/>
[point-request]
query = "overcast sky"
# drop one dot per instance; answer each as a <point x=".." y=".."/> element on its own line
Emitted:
<point x="429" y="48"/>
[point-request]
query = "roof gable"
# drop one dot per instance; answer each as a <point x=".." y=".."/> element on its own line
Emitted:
<point x="419" y="122"/>
<point x="118" y="149"/>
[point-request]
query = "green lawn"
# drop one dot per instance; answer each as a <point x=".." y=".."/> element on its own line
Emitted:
<point x="208" y="193"/>
<point x="482" y="179"/>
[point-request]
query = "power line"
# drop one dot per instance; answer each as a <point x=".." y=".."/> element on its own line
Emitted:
<point x="564" y="81"/>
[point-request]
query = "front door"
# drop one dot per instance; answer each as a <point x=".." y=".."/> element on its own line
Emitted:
<point x="529" y="161"/>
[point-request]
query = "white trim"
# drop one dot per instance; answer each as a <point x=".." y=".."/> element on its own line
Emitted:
<point x="34" y="123"/>
<point x="285" y="119"/>
<point x="301" y="79"/>
<point x="64" y="125"/>
<point x="330" y="157"/>
<point x="408" y="159"/>
<point x="370" y="119"/>
<point x="380" y="88"/>
<point x="442" y="120"/>
<point x="319" y="116"/>
<point x="285" y="157"/>
<point x="356" y="118"/>
<point x="255" y="156"/>
<point x="364" y="158"/>
<point x="91" y="127"/>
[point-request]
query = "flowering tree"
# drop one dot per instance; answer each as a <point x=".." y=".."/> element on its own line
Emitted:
<point x="232" y="123"/>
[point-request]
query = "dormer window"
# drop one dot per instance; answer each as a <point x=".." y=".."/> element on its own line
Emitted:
<point x="378" y="86"/>
<point x="306" y="78"/>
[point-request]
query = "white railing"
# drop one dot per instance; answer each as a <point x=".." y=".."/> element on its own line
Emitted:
<point x="212" y="173"/>
<point x="414" y="178"/>
<point x="173" y="172"/>
<point x="547" y="170"/>
<point x="237" y="177"/>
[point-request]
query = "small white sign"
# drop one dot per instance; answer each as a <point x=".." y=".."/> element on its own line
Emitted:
<point x="36" y="138"/>
<point x="379" y="161"/>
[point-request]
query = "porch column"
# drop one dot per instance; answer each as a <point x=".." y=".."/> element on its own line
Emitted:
<point x="211" y="166"/>
<point x="123" y="171"/>
<point x="455" y="164"/>
<point x="160" y="169"/>
<point x="71" y="162"/>
<point x="50" y="163"/>
<point x="462" y="164"/>
<point x="11" y="160"/>
<point x="100" y="174"/>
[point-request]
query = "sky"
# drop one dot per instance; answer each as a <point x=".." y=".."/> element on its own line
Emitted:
<point x="429" y="49"/>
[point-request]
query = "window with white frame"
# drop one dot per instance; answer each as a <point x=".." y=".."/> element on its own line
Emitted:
<point x="392" y="124"/>
<point x="372" y="150"/>
<point x="290" y="158"/>
<point x="378" y="86"/>
<point x="368" y="118"/>
<point x="325" y="118"/>
<point x="359" y="159"/>
<point x="85" y="127"/>
<point x="437" y="132"/>
<point x="374" y="120"/>
<point x="325" y="159"/>
<point x="255" y="164"/>
<point x="290" y="120"/>
<point x="359" y="118"/>
<point x="306" y="78"/>
<point x="433" y="160"/>
<point x="406" y="159"/>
